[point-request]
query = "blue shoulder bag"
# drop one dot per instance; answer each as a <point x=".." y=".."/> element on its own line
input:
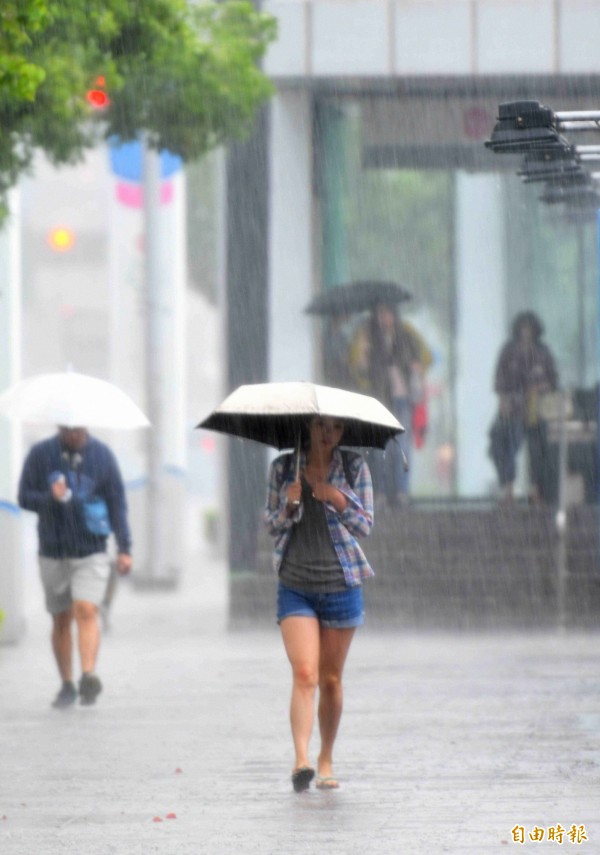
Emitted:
<point x="95" y="512"/>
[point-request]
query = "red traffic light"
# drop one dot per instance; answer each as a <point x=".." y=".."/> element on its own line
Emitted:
<point x="97" y="97"/>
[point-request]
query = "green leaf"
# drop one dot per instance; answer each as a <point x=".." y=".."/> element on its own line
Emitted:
<point x="187" y="75"/>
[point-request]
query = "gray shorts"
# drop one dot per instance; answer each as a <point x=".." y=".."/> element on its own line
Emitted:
<point x="68" y="579"/>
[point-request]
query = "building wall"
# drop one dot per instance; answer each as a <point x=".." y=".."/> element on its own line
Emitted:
<point x="426" y="78"/>
<point x="387" y="38"/>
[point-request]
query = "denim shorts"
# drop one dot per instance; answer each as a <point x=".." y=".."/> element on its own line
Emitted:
<point x="336" y="610"/>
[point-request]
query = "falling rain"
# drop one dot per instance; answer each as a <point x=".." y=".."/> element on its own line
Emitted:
<point x="374" y="220"/>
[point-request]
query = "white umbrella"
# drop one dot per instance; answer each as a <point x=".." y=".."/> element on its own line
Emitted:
<point x="70" y="399"/>
<point x="273" y="413"/>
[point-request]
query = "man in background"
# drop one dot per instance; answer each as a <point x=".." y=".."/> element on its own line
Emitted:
<point x="73" y="483"/>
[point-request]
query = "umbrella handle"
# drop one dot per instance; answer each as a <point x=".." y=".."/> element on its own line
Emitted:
<point x="297" y="469"/>
<point x="405" y="464"/>
<point x="404" y="460"/>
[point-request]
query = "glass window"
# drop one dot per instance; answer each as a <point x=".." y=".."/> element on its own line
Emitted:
<point x="392" y="225"/>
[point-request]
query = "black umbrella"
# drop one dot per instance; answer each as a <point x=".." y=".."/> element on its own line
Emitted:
<point x="357" y="297"/>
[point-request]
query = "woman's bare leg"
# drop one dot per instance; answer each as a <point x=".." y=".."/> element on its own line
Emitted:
<point x="301" y="640"/>
<point x="335" y="644"/>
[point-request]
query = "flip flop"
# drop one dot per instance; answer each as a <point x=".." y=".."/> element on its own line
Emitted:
<point x="326" y="783"/>
<point x="301" y="778"/>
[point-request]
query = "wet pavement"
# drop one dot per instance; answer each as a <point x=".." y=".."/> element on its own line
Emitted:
<point x="448" y="742"/>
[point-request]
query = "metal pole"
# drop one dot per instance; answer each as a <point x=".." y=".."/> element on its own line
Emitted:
<point x="12" y="594"/>
<point x="581" y="289"/>
<point x="598" y="378"/>
<point x="561" y="514"/>
<point x="153" y="362"/>
<point x="580" y="126"/>
<point x="577" y="115"/>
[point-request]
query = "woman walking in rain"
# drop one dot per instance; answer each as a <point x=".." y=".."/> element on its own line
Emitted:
<point x="316" y="518"/>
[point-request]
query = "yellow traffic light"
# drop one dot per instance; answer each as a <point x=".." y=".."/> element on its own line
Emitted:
<point x="61" y="239"/>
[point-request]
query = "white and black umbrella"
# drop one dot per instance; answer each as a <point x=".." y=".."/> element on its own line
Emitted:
<point x="274" y="414"/>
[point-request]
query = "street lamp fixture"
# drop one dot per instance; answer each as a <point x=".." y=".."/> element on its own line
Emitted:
<point x="575" y="177"/>
<point x="581" y="196"/>
<point x="524" y="126"/>
<point x="562" y="165"/>
<point x="535" y="130"/>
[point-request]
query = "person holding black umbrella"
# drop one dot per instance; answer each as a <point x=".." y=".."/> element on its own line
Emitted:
<point x="316" y="510"/>
<point x="340" y="305"/>
<point x="389" y="359"/>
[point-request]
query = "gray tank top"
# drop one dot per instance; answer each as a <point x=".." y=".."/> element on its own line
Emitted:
<point x="310" y="562"/>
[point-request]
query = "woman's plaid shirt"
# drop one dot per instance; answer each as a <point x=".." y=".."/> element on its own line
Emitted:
<point x="345" y="527"/>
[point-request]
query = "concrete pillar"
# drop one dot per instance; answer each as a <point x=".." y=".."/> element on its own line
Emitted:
<point x="246" y="293"/>
<point x="164" y="246"/>
<point x="290" y="238"/>
<point x="11" y="564"/>
<point x="481" y="323"/>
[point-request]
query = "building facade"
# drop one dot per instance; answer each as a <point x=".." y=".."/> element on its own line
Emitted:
<point x="370" y="164"/>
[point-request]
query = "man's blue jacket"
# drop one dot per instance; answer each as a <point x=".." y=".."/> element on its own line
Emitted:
<point x="93" y="472"/>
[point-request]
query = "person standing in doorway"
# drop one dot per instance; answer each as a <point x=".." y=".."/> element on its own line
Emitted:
<point x="73" y="483"/>
<point x="389" y="359"/>
<point x="316" y="521"/>
<point x="524" y="372"/>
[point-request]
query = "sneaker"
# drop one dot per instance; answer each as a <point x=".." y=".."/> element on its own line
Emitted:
<point x="89" y="689"/>
<point x="66" y="696"/>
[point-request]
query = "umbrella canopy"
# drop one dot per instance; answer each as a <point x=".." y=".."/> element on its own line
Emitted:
<point x="273" y="413"/>
<point x="356" y="297"/>
<point x="70" y="399"/>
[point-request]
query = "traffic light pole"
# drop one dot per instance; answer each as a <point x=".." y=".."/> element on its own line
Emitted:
<point x="598" y="363"/>
<point x="154" y="573"/>
<point x="12" y="598"/>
